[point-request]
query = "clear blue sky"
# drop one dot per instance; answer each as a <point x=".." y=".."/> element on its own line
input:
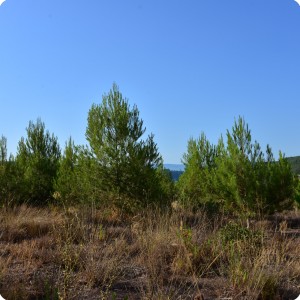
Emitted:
<point x="189" y="66"/>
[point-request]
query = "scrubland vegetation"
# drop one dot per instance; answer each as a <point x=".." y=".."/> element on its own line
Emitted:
<point x="90" y="253"/>
<point x="105" y="220"/>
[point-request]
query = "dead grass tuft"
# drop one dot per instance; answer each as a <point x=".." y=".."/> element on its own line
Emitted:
<point x="21" y="223"/>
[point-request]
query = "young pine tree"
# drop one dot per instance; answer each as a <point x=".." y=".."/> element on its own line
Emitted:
<point x="38" y="161"/>
<point x="195" y="185"/>
<point x="66" y="182"/>
<point x="125" y="162"/>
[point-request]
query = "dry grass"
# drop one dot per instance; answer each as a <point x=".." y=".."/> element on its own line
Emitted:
<point x="87" y="253"/>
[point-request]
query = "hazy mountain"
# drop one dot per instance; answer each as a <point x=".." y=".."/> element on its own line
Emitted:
<point x="174" y="167"/>
<point x="295" y="163"/>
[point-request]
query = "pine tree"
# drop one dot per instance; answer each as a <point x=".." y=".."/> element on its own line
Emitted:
<point x="195" y="184"/>
<point x="38" y="160"/>
<point x="125" y="163"/>
<point x="66" y="183"/>
<point x="236" y="175"/>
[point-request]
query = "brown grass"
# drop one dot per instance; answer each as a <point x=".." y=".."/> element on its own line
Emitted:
<point x="87" y="253"/>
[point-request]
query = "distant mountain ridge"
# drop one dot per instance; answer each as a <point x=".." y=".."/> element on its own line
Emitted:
<point x="295" y="163"/>
<point x="174" y="167"/>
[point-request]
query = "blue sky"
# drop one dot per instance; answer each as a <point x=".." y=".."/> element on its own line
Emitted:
<point x="189" y="66"/>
